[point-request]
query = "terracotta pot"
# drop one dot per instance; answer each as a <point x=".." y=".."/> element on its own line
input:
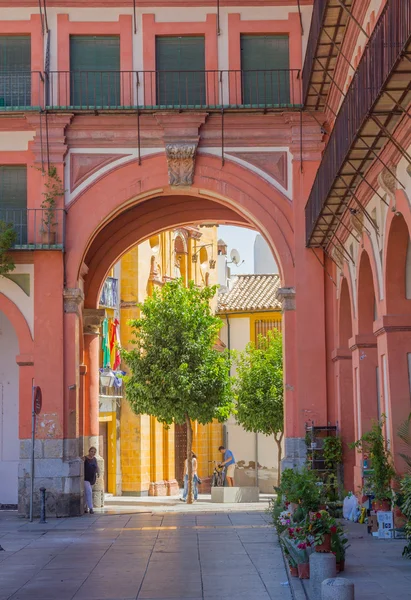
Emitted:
<point x="293" y="571"/>
<point x="326" y="545"/>
<point x="342" y="565"/>
<point x="384" y="505"/>
<point x="304" y="571"/>
<point x="48" y="238"/>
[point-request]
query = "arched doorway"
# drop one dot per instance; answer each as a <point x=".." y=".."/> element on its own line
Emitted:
<point x="9" y="412"/>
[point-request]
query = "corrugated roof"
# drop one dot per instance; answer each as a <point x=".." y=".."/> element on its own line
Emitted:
<point x="251" y="292"/>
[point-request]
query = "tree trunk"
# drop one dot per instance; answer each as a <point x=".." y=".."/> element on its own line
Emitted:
<point x="279" y="455"/>
<point x="189" y="460"/>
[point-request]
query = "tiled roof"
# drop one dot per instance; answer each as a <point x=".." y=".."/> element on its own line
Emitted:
<point x="251" y="292"/>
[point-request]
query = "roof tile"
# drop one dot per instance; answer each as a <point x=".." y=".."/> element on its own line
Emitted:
<point x="251" y="292"/>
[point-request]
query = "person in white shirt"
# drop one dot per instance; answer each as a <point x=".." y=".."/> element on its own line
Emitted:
<point x="195" y="479"/>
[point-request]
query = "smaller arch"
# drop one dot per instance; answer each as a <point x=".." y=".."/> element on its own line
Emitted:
<point x="12" y="312"/>
<point x="366" y="300"/>
<point x="345" y="325"/>
<point x="397" y="255"/>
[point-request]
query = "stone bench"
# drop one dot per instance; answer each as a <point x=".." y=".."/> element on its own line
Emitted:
<point x="233" y="495"/>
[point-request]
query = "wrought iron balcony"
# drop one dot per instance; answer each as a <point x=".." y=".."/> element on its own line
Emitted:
<point x="21" y="90"/>
<point x="109" y="293"/>
<point x="328" y="25"/>
<point x="36" y="228"/>
<point x="378" y="98"/>
<point x="172" y="90"/>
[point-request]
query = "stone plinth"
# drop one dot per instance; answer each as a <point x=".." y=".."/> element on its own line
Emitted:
<point x="232" y="495"/>
<point x="337" y="589"/>
<point x="322" y="566"/>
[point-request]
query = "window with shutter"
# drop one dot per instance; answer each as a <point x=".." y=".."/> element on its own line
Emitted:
<point x="13" y="199"/>
<point x="263" y="326"/>
<point x="180" y="71"/>
<point x="95" y="71"/>
<point x="15" y="71"/>
<point x="265" y="70"/>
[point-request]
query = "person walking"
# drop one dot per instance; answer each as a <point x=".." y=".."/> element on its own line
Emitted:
<point x="91" y="472"/>
<point x="229" y="463"/>
<point x="195" y="479"/>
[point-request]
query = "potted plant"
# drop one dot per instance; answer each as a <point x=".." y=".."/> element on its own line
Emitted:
<point x="321" y="526"/>
<point x="299" y="551"/>
<point x="53" y="190"/>
<point x="333" y="451"/>
<point x="339" y="545"/>
<point x="374" y="444"/>
<point x="406" y="511"/>
<point x="8" y="237"/>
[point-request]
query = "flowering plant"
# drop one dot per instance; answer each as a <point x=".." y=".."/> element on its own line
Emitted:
<point x="319" y="525"/>
<point x="284" y="518"/>
<point x="339" y="543"/>
<point x="298" y="550"/>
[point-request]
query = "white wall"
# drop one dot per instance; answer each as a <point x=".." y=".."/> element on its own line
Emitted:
<point x="263" y="258"/>
<point x="9" y="412"/>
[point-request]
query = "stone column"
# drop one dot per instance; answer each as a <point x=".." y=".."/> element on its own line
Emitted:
<point x="295" y="448"/>
<point x="342" y="360"/>
<point x="92" y="320"/>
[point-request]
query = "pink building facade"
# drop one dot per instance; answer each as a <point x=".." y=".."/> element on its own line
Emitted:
<point x="158" y="115"/>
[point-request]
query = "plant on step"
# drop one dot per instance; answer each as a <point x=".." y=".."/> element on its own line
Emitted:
<point x="374" y="443"/>
<point x="333" y="451"/>
<point x="54" y="189"/>
<point x="406" y="511"/>
<point x="301" y="487"/>
<point x="8" y="237"/>
<point x="298" y="549"/>
<point x="339" y="543"/>
<point x="320" y="525"/>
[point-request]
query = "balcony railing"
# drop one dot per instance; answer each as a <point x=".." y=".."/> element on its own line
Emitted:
<point x="313" y="39"/>
<point x="388" y="42"/>
<point x="109" y="293"/>
<point x="36" y="228"/>
<point x="180" y="90"/>
<point x="21" y="90"/>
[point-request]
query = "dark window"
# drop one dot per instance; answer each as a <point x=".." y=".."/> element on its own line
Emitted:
<point x="95" y="71"/>
<point x="265" y="70"/>
<point x="13" y="199"/>
<point x="180" y="71"/>
<point x="15" y="71"/>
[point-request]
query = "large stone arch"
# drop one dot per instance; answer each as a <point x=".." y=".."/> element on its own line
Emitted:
<point x="20" y="325"/>
<point x="230" y="194"/>
<point x="366" y="292"/>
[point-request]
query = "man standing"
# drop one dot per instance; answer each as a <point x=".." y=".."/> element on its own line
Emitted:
<point x="228" y="462"/>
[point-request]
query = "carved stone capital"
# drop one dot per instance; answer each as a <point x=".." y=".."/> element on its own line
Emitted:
<point x="387" y="181"/>
<point x="181" y="160"/>
<point x="287" y="297"/>
<point x="73" y="297"/>
<point x="92" y="320"/>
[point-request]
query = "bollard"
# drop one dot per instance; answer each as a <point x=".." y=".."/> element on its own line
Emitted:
<point x="337" y="589"/>
<point x="322" y="566"/>
<point x="43" y="505"/>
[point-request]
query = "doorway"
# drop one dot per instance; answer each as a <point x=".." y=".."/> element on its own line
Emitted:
<point x="103" y="434"/>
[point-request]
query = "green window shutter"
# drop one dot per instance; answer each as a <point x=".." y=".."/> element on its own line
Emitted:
<point x="180" y="71"/>
<point x="13" y="199"/>
<point x="265" y="67"/>
<point x="95" y="71"/>
<point x="15" y="68"/>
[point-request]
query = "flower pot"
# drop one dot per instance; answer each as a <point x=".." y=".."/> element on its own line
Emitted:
<point x="384" y="505"/>
<point x="48" y="238"/>
<point x="326" y="545"/>
<point x="304" y="571"/>
<point x="293" y="571"/>
<point x="340" y="566"/>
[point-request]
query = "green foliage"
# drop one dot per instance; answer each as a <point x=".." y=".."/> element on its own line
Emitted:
<point x="54" y="189"/>
<point x="333" y="451"/>
<point x="404" y="433"/>
<point x="406" y="511"/>
<point x="259" y="389"/>
<point x="373" y="443"/>
<point x="301" y="487"/>
<point x="8" y="238"/>
<point x="339" y="543"/>
<point x="175" y="371"/>
<point x="259" y="385"/>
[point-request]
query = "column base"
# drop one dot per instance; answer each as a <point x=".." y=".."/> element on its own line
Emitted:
<point x="172" y="487"/>
<point x="63" y="480"/>
<point x="158" y="488"/>
<point x="295" y="454"/>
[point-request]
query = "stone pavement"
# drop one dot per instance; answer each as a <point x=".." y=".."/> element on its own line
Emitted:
<point x="144" y="555"/>
<point x="376" y="567"/>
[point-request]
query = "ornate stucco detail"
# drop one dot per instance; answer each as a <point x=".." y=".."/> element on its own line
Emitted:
<point x="338" y="255"/>
<point x="387" y="181"/>
<point x="357" y="221"/>
<point x="181" y="160"/>
<point x="286" y="295"/>
<point x="73" y="297"/>
<point x="92" y="320"/>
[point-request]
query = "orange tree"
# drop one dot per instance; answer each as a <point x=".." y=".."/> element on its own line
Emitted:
<point x="176" y="374"/>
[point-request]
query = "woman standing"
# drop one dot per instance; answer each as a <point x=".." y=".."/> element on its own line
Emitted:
<point x="91" y="472"/>
<point x="195" y="479"/>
